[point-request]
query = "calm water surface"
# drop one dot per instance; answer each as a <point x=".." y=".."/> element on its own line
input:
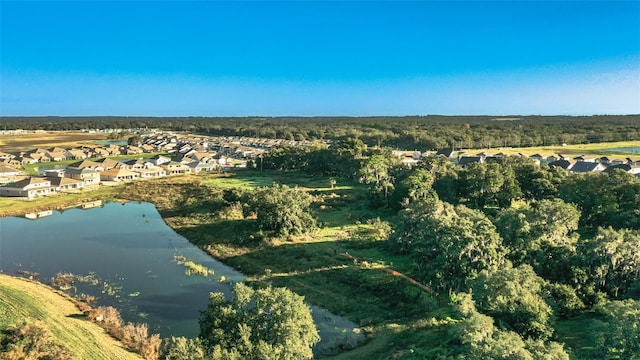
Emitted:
<point x="630" y="150"/>
<point x="130" y="248"/>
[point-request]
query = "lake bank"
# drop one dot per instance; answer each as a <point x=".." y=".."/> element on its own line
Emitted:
<point x="133" y="268"/>
<point x="22" y="300"/>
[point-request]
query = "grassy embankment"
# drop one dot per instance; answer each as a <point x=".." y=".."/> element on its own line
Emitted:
<point x="25" y="301"/>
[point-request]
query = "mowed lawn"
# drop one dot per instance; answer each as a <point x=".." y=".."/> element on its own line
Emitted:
<point x="25" y="301"/>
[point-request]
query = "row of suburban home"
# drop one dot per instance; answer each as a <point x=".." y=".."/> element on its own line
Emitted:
<point x="578" y="164"/>
<point x="87" y="172"/>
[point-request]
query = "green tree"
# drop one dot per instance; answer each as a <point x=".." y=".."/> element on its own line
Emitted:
<point x="445" y="177"/>
<point x="415" y="187"/>
<point x="541" y="234"/>
<point x="134" y="140"/>
<point x="489" y="184"/>
<point x="513" y="296"/>
<point x="609" y="199"/>
<point x="450" y="245"/>
<point x="376" y="170"/>
<point x="613" y="260"/>
<point x="480" y="339"/>
<point x="269" y="323"/>
<point x="283" y="210"/>
<point x="618" y="335"/>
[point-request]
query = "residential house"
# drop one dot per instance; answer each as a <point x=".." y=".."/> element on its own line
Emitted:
<point x="75" y="154"/>
<point x="65" y="183"/>
<point x="586" y="166"/>
<point x="539" y="159"/>
<point x="26" y="159"/>
<point x="88" y="175"/>
<point x="150" y="172"/>
<point x="159" y="160"/>
<point x="87" y="164"/>
<point x="116" y="174"/>
<point x="565" y="164"/>
<point x="55" y="156"/>
<point x="199" y="167"/>
<point x="131" y="150"/>
<point x="467" y="160"/>
<point x="109" y="164"/>
<point x="448" y="153"/>
<point x="623" y="167"/>
<point x="137" y="164"/>
<point x="176" y="168"/>
<point x="8" y="171"/>
<point x="29" y="187"/>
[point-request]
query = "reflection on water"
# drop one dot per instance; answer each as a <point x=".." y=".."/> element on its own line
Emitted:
<point x="131" y="250"/>
<point x="130" y="247"/>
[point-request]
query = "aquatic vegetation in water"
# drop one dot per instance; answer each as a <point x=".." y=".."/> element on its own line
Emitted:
<point x="192" y="267"/>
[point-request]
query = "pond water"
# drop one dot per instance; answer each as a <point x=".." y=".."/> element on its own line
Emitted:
<point x="111" y="142"/>
<point x="130" y="250"/>
<point x="629" y="150"/>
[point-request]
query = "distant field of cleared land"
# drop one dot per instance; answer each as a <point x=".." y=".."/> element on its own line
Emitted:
<point x="26" y="301"/>
<point x="19" y="142"/>
<point x="595" y="149"/>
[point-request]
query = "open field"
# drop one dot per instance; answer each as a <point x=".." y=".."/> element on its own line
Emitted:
<point x="594" y="150"/>
<point x="24" y="142"/>
<point x="25" y="301"/>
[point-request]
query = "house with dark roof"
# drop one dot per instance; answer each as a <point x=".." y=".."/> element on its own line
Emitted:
<point x="586" y="166"/>
<point x="29" y="187"/>
<point x="565" y="164"/>
<point x="467" y="160"/>
<point x="623" y="167"/>
<point x="448" y="153"/>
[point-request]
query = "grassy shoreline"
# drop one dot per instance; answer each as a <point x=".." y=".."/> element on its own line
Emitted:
<point x="27" y="301"/>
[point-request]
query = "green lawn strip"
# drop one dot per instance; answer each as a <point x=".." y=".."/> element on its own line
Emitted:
<point x="24" y="301"/>
<point x="20" y="206"/>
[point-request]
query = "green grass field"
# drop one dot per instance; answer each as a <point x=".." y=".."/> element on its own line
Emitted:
<point x="594" y="150"/>
<point x="25" y="301"/>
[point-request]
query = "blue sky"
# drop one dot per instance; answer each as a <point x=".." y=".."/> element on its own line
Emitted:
<point x="239" y="58"/>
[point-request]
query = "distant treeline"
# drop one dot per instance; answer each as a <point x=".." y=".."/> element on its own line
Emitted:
<point x="407" y="132"/>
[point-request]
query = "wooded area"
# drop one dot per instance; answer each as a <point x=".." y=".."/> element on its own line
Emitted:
<point x="406" y="132"/>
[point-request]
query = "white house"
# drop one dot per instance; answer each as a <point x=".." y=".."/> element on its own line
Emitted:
<point x="29" y="187"/>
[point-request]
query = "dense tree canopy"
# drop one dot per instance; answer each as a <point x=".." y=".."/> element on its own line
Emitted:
<point x="408" y="132"/>
<point x="263" y="324"/>
<point x="282" y="209"/>
<point x="450" y="245"/>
